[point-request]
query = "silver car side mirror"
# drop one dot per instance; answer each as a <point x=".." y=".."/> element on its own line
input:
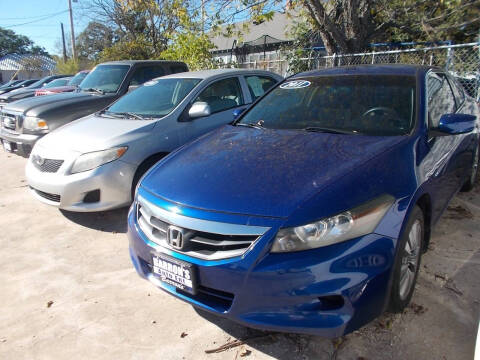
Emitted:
<point x="199" y="109"/>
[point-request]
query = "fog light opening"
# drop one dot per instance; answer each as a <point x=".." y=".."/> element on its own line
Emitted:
<point x="331" y="302"/>
<point x="92" y="196"/>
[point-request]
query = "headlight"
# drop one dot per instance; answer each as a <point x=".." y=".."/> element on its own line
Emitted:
<point x="95" y="159"/>
<point x="34" y="123"/>
<point x="350" y="224"/>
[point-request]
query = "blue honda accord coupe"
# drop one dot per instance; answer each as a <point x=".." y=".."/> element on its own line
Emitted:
<point x="310" y="212"/>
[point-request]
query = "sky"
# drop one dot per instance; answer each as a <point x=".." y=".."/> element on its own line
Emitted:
<point x="44" y="19"/>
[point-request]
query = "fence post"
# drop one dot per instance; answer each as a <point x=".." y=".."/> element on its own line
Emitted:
<point x="333" y="59"/>
<point x="449" y="58"/>
<point x="373" y="57"/>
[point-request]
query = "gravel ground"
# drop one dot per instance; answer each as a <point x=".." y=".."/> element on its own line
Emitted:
<point x="68" y="291"/>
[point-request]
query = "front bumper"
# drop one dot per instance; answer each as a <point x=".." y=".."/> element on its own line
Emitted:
<point x="289" y="292"/>
<point x="22" y="144"/>
<point x="68" y="191"/>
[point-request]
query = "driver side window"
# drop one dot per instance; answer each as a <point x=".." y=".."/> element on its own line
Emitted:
<point x="222" y="95"/>
<point x="440" y="99"/>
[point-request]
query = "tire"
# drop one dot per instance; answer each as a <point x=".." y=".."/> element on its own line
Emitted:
<point x="473" y="174"/>
<point x="407" y="261"/>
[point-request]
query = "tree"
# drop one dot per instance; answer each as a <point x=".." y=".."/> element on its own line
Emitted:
<point x="190" y="44"/>
<point x="12" y="43"/>
<point x="91" y="41"/>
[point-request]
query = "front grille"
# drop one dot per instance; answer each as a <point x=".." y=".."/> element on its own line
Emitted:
<point x="48" y="196"/>
<point x="195" y="243"/>
<point x="46" y="165"/>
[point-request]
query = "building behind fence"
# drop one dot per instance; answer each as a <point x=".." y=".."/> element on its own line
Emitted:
<point x="463" y="61"/>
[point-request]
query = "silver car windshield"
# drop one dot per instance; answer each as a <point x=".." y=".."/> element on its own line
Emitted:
<point x="155" y="98"/>
<point x="105" y="78"/>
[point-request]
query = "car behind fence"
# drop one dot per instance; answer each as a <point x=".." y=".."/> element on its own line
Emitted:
<point x="463" y="61"/>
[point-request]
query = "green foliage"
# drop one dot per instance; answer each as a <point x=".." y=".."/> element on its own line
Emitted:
<point x="11" y="43"/>
<point x="189" y="44"/>
<point x="138" y="49"/>
<point x="91" y="41"/>
<point x="71" y="66"/>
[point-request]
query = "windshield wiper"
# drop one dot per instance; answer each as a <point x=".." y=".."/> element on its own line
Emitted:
<point x="257" y="125"/>
<point x="125" y="114"/>
<point x="328" y="130"/>
<point x="98" y="91"/>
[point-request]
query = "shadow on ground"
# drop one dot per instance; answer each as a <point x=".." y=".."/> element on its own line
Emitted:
<point x="108" y="221"/>
<point x="282" y="346"/>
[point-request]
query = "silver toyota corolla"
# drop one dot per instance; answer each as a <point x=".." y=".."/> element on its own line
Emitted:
<point x="94" y="163"/>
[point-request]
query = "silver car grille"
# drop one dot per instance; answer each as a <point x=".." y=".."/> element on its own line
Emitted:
<point x="197" y="238"/>
<point x="46" y="165"/>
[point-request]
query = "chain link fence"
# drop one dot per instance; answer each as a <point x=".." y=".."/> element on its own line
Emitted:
<point x="463" y="61"/>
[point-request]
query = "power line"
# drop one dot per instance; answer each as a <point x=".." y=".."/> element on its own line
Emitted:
<point x="35" y="17"/>
<point x="45" y="17"/>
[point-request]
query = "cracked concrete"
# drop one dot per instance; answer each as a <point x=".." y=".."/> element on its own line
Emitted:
<point x="100" y="309"/>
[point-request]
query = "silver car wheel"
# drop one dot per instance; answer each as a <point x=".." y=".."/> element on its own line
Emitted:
<point x="411" y="255"/>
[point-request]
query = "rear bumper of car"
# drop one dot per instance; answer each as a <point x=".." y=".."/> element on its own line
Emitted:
<point x="106" y="187"/>
<point x="21" y="144"/>
<point x="328" y="291"/>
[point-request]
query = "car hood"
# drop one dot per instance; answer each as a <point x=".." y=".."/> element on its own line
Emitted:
<point x="58" y="89"/>
<point x="93" y="133"/>
<point x="32" y="106"/>
<point x="260" y="172"/>
<point x="18" y="94"/>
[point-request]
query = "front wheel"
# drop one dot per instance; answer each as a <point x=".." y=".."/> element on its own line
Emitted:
<point x="407" y="262"/>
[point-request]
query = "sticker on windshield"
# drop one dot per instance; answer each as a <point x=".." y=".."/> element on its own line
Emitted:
<point x="295" y="84"/>
<point x="151" y="83"/>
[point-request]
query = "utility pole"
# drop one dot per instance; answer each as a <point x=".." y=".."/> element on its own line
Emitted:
<point x="203" y="16"/>
<point x="74" y="53"/>
<point x="63" y="43"/>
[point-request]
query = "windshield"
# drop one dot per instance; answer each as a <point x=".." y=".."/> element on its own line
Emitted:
<point x="39" y="83"/>
<point x="77" y="79"/>
<point x="156" y="98"/>
<point x="57" y="82"/>
<point x="362" y="104"/>
<point x="105" y="78"/>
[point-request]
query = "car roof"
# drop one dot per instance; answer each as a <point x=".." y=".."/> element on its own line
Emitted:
<point x="207" y="74"/>
<point x="134" y="62"/>
<point x="381" y="69"/>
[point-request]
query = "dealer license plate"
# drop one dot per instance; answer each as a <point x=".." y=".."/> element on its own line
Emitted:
<point x="7" y="146"/>
<point x="174" y="272"/>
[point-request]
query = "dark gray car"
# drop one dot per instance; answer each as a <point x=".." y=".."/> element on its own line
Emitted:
<point x="27" y="91"/>
<point x="25" y="121"/>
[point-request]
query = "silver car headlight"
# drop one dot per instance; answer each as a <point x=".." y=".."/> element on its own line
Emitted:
<point x="348" y="225"/>
<point x="33" y="123"/>
<point x="95" y="159"/>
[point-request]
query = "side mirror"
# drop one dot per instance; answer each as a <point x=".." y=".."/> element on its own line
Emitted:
<point x="199" y="109"/>
<point x="237" y="113"/>
<point x="132" y="87"/>
<point x="454" y="124"/>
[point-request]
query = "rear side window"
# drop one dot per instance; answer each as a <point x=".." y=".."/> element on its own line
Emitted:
<point x="145" y="73"/>
<point x="178" y="69"/>
<point x="258" y="85"/>
<point x="440" y="99"/>
<point x="222" y="95"/>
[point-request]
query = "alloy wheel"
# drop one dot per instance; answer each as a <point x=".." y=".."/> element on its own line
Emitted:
<point x="410" y="260"/>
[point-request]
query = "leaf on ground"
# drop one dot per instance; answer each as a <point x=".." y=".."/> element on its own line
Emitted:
<point x="183" y="334"/>
<point x="245" y="353"/>
<point x="49" y="304"/>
